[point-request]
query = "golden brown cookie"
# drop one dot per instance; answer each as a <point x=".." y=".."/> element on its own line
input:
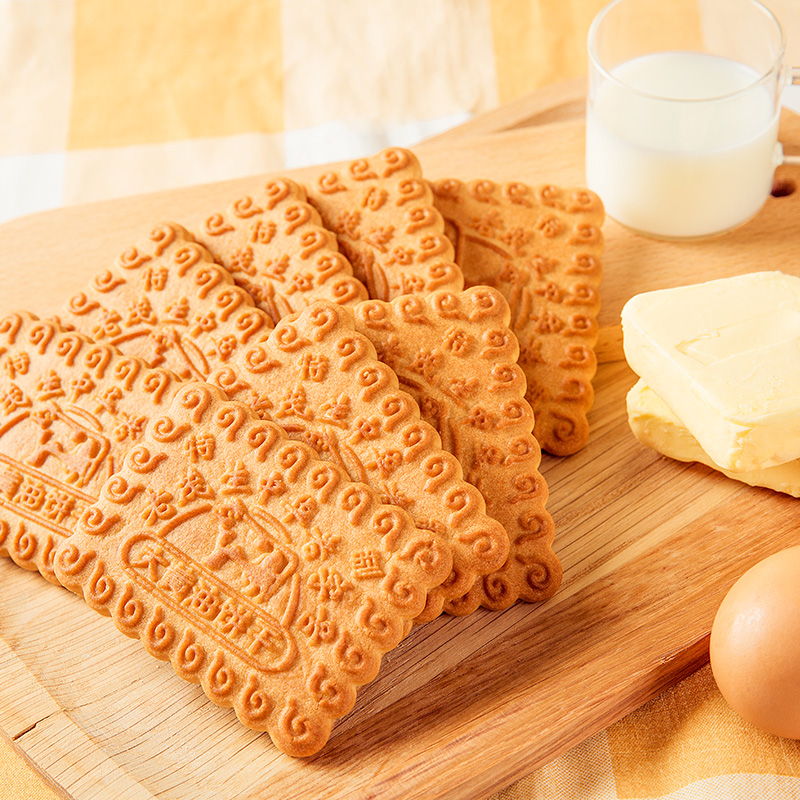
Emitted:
<point x="382" y="212"/>
<point x="274" y="245"/>
<point x="69" y="410"/>
<point x="455" y="354"/>
<point x="321" y="382"/>
<point x="314" y="376"/>
<point x="167" y="302"/>
<point x="257" y="570"/>
<point x="541" y="248"/>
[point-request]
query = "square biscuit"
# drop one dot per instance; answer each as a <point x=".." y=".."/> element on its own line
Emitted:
<point x="321" y="381"/>
<point x="255" y="569"/>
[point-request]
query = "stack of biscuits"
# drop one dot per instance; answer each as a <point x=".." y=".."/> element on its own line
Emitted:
<point x="270" y="441"/>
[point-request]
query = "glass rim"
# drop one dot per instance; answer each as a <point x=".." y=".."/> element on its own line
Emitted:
<point x="594" y="58"/>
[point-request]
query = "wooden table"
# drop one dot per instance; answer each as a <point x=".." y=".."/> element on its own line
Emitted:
<point x="464" y="706"/>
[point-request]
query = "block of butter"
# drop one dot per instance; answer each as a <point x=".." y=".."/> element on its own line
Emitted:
<point x="655" y="425"/>
<point x="725" y="357"/>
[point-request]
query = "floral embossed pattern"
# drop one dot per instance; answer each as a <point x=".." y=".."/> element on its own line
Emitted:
<point x="258" y="571"/>
<point x="541" y="247"/>
<point x="69" y="410"/>
<point x="455" y="354"/>
<point x="382" y="213"/>
<point x="313" y="375"/>
<point x="274" y="245"/>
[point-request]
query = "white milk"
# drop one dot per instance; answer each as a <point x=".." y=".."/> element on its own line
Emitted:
<point x="681" y="169"/>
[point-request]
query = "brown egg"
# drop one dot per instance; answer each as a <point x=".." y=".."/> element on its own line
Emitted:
<point x="755" y="645"/>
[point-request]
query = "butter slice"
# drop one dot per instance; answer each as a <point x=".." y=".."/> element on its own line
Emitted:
<point x="654" y="425"/>
<point x="725" y="357"/>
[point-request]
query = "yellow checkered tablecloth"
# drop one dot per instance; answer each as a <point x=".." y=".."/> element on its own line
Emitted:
<point x="104" y="98"/>
<point x="101" y="99"/>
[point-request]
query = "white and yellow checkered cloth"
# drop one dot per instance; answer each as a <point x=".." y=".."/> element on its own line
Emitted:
<point x="103" y="98"/>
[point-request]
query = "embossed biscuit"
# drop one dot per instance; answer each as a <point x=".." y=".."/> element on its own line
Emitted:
<point x="541" y="248"/>
<point x="382" y="213"/>
<point x="166" y="301"/>
<point x="257" y="570"/>
<point x="69" y="410"/>
<point x="313" y="375"/>
<point x="455" y="354"/>
<point x="274" y="245"/>
<point x="321" y="382"/>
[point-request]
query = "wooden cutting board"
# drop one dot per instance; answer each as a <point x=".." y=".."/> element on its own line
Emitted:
<point x="464" y="706"/>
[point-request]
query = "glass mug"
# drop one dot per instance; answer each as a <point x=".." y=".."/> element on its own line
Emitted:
<point x="682" y="114"/>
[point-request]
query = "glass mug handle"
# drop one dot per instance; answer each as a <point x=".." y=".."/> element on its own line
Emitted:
<point x="794" y="80"/>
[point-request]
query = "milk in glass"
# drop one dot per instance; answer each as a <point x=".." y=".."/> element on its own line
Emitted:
<point x="703" y="165"/>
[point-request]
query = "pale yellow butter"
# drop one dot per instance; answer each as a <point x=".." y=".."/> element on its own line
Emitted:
<point x="725" y="358"/>
<point x="655" y="425"/>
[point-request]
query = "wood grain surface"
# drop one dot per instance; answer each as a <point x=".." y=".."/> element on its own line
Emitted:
<point x="464" y="706"/>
